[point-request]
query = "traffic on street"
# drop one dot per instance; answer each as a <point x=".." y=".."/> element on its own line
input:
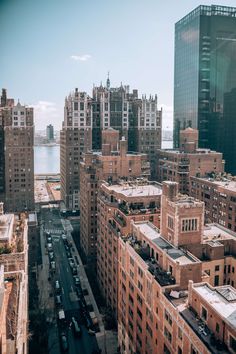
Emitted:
<point x="76" y="330"/>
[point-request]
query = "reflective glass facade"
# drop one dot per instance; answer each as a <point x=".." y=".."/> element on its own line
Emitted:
<point x="205" y="74"/>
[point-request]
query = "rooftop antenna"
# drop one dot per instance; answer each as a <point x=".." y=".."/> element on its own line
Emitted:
<point x="108" y="80"/>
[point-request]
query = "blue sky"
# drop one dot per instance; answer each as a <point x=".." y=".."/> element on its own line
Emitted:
<point x="49" y="47"/>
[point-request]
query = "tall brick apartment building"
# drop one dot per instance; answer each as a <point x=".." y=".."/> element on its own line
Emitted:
<point x="175" y="285"/>
<point x="16" y="155"/>
<point x="75" y="138"/>
<point x="119" y="205"/>
<point x="179" y="165"/>
<point x="110" y="164"/>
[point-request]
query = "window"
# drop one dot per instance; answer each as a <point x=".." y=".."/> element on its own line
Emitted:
<point x="204" y="313"/>
<point x="217" y="327"/>
<point x="216" y="283"/>
<point x="180" y="333"/>
<point x="167" y="334"/>
<point x="232" y="342"/>
<point x="189" y="225"/>
<point x="170" y="222"/>
<point x="217" y="268"/>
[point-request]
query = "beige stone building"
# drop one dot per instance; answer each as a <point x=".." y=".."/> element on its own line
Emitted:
<point x="75" y="138"/>
<point x="17" y="157"/>
<point x="189" y="160"/>
<point x="110" y="164"/>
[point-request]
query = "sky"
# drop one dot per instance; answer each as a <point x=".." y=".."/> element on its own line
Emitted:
<point x="49" y="47"/>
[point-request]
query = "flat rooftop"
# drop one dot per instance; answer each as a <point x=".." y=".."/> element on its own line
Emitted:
<point x="225" y="183"/>
<point x="136" y="190"/>
<point x="6" y="227"/>
<point x="153" y="234"/>
<point x="216" y="232"/>
<point x="197" y="152"/>
<point x="222" y="299"/>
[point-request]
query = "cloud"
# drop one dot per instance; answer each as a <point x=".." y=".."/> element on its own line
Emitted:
<point x="167" y="116"/>
<point x="83" y="57"/>
<point x="46" y="112"/>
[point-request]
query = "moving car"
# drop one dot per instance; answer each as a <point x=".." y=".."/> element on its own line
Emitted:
<point x="76" y="327"/>
<point x="57" y="286"/>
<point x="58" y="300"/>
<point x="53" y="265"/>
<point x="76" y="280"/>
<point x="64" y="342"/>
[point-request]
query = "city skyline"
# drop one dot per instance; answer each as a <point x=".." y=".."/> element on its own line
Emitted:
<point x="57" y="63"/>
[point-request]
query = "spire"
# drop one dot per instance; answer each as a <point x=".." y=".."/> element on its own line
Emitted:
<point x="108" y="81"/>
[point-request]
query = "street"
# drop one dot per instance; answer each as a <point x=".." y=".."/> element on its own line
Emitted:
<point x="70" y="302"/>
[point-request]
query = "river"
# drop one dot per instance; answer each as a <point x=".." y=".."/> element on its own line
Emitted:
<point x="47" y="158"/>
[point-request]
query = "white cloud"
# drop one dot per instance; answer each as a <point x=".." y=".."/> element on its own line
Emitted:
<point x="46" y="112"/>
<point x="83" y="57"/>
<point x="167" y="116"/>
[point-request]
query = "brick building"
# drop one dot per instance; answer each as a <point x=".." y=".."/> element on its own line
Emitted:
<point x="179" y="165"/>
<point x="110" y="164"/>
<point x="75" y="138"/>
<point x="219" y="195"/>
<point x="174" y="285"/>
<point x="118" y="206"/>
<point x="16" y="156"/>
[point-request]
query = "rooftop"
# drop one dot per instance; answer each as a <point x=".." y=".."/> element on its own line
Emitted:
<point x="133" y="189"/>
<point x="222" y="299"/>
<point x="225" y="183"/>
<point x="150" y="232"/>
<point x="216" y="232"/>
<point x="198" y="151"/>
<point x="6" y="227"/>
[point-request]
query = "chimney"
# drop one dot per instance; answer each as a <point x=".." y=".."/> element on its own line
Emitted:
<point x="123" y="146"/>
<point x="170" y="190"/>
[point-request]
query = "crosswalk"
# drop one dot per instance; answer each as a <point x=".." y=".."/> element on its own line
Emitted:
<point x="54" y="231"/>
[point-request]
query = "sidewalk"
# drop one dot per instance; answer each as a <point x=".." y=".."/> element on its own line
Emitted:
<point x="107" y="340"/>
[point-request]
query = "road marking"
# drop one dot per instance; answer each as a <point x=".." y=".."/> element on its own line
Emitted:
<point x="62" y="289"/>
<point x="72" y="288"/>
<point x="67" y="269"/>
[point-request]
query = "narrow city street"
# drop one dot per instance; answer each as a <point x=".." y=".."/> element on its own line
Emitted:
<point x="67" y="298"/>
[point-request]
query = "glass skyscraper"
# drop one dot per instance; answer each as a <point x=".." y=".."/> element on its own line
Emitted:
<point x="205" y="78"/>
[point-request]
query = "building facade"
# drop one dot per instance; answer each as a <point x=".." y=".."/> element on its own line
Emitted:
<point x="137" y="119"/>
<point x="50" y="132"/>
<point x="179" y="165"/>
<point x="175" y="284"/>
<point x="219" y="195"/>
<point x="13" y="283"/>
<point x="17" y="158"/>
<point x="205" y="75"/>
<point x="110" y="164"/>
<point x="75" y="138"/>
<point x="118" y="206"/>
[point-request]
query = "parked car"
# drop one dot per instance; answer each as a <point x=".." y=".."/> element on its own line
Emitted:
<point x="61" y="316"/>
<point x="76" y="327"/>
<point x="58" y="300"/>
<point x="51" y="255"/>
<point x="53" y="265"/>
<point x="57" y="286"/>
<point x="50" y="246"/>
<point x="76" y="280"/>
<point x="49" y="239"/>
<point x="63" y="236"/>
<point x="74" y="270"/>
<point x="71" y="262"/>
<point x="64" y="342"/>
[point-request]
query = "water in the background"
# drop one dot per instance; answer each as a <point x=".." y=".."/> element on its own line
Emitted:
<point x="167" y="144"/>
<point x="47" y="158"/>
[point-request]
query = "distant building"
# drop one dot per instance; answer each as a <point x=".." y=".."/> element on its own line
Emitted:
<point x="16" y="156"/>
<point x="179" y="165"/>
<point x="75" y="138"/>
<point x="110" y="164"/>
<point x="137" y="119"/>
<point x="219" y="195"/>
<point x="50" y="132"/>
<point x="205" y="77"/>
